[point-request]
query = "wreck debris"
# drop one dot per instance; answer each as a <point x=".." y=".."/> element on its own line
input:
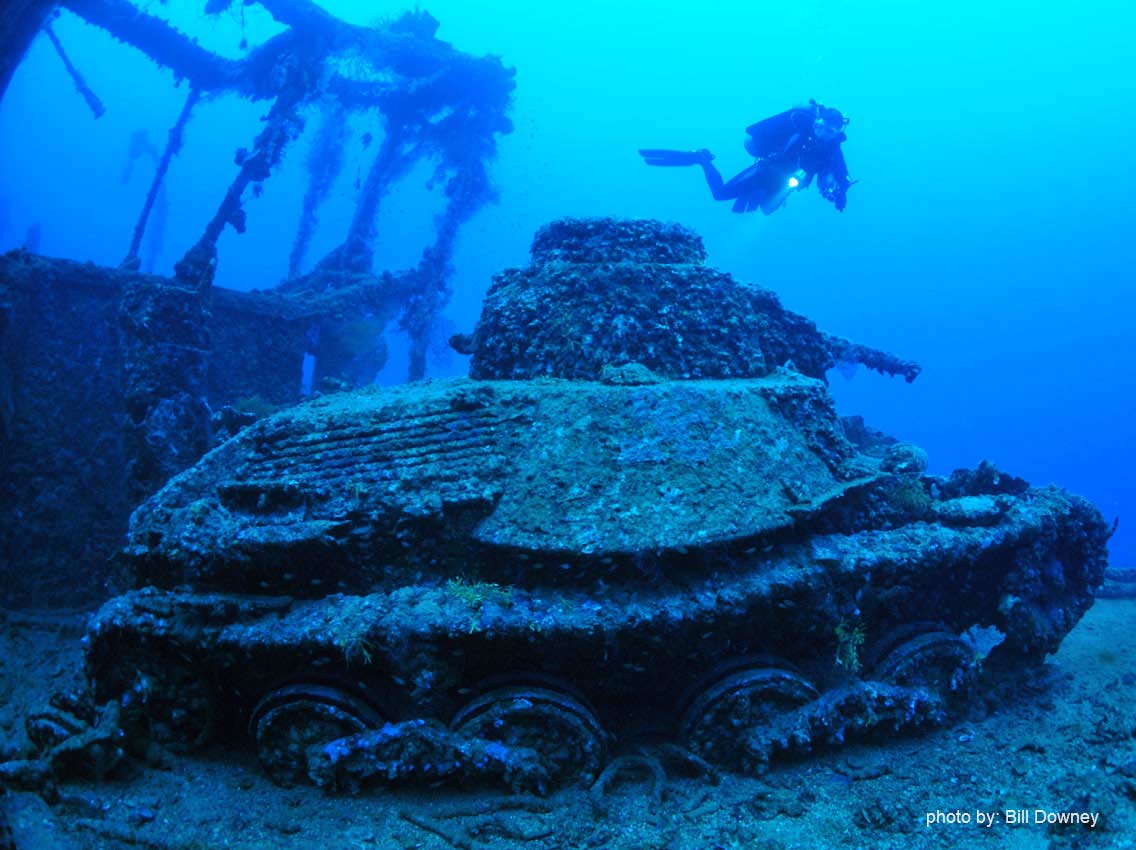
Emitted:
<point x="175" y="349"/>
<point x="92" y="99"/>
<point x="431" y="102"/>
<point x="643" y="762"/>
<point x="66" y="747"/>
<point x="165" y="367"/>
<point x="20" y="22"/>
<point x="62" y="461"/>
<point x="173" y="145"/>
<point x="7" y="396"/>
<point x="458" y="841"/>
<point x="324" y="163"/>
<point x="166" y="46"/>
<point x="1119" y="583"/>
<point x="283" y="125"/>
<point x="78" y="341"/>
<point x="356" y="254"/>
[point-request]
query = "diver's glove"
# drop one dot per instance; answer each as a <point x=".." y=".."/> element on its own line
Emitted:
<point x="833" y="191"/>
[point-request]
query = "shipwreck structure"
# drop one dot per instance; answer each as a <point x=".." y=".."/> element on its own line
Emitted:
<point x="111" y="380"/>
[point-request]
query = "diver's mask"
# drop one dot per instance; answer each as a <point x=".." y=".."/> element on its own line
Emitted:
<point x="829" y="124"/>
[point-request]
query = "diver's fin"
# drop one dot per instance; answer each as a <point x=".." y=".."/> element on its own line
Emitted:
<point x="656" y="156"/>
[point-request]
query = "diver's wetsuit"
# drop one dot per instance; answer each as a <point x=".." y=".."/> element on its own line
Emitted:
<point x="791" y="148"/>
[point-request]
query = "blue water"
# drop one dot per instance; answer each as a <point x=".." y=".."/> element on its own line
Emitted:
<point x="990" y="238"/>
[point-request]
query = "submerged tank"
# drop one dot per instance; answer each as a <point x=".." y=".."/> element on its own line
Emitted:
<point x="639" y="523"/>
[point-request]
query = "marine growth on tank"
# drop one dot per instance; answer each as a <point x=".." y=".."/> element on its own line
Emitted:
<point x="399" y="447"/>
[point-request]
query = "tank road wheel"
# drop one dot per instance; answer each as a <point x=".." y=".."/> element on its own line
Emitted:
<point x="561" y="729"/>
<point x="890" y="640"/>
<point x="294" y="717"/>
<point x="737" y="697"/>
<point x="924" y="656"/>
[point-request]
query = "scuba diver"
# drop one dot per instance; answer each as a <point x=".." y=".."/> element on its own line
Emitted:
<point x="792" y="149"/>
